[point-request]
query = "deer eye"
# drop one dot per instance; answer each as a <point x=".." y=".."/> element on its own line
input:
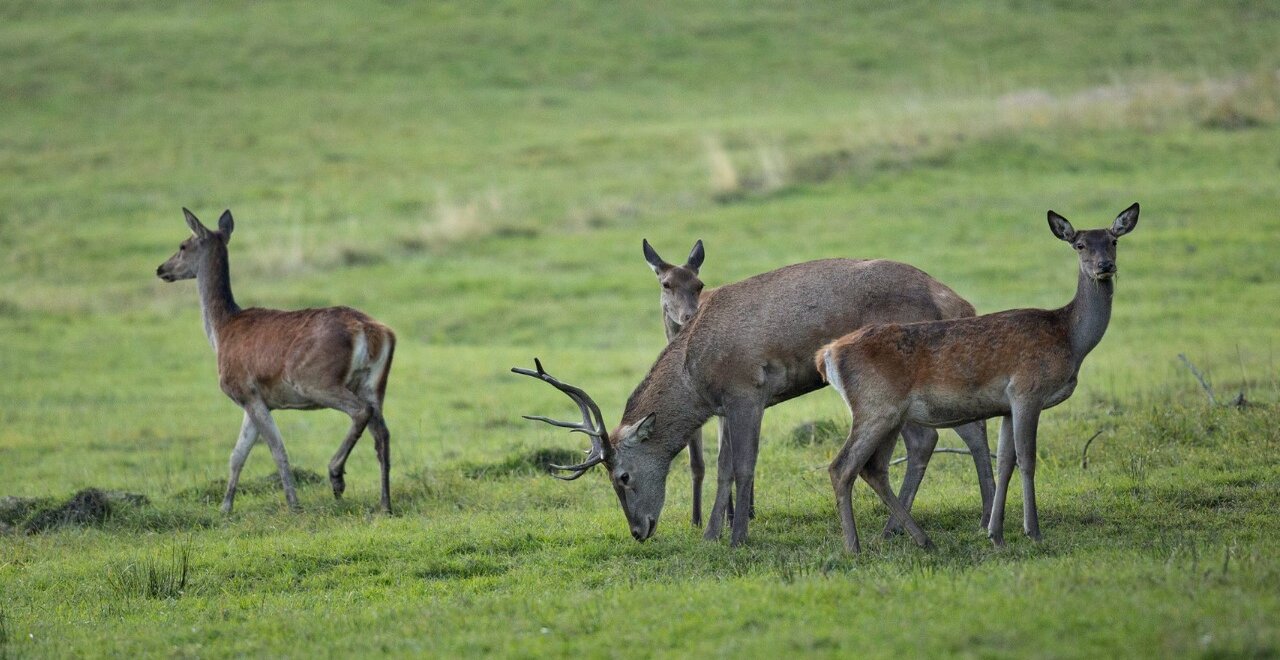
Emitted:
<point x="182" y="248"/>
<point x="1114" y="241"/>
<point x="624" y="478"/>
<point x="1079" y="246"/>
<point x="666" y="285"/>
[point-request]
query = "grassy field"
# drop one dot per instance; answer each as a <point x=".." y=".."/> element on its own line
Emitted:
<point x="479" y="176"/>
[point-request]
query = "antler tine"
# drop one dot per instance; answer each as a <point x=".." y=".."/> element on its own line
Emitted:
<point x="592" y="423"/>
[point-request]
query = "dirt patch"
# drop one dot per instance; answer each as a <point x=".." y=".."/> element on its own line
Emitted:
<point x="88" y="507"/>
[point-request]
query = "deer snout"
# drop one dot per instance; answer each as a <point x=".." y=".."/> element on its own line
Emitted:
<point x="1106" y="268"/>
<point x="643" y="530"/>
<point x="163" y="275"/>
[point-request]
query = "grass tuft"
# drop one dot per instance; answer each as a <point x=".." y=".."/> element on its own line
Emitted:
<point x="537" y="461"/>
<point x="160" y="577"/>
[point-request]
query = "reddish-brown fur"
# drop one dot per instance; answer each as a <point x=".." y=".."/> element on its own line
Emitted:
<point x="1012" y="364"/>
<point x="333" y="357"/>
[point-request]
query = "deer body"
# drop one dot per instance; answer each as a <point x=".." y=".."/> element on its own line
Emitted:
<point x="1011" y="364"/>
<point x="334" y="357"/>
<point x="751" y="346"/>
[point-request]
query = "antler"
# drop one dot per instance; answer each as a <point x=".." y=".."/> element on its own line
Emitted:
<point x="592" y="423"/>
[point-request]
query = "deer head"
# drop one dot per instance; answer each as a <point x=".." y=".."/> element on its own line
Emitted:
<point x="1096" y="247"/>
<point x="637" y="466"/>
<point x="680" y="284"/>
<point x="184" y="263"/>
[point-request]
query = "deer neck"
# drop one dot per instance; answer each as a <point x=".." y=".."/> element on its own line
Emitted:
<point x="1088" y="314"/>
<point x="668" y="391"/>
<point x="217" y="305"/>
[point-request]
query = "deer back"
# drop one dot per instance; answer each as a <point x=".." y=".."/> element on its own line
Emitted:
<point x="760" y="334"/>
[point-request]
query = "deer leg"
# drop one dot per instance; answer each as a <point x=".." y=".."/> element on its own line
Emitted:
<point x="974" y="435"/>
<point x="857" y="450"/>
<point x="876" y="473"/>
<point x="1025" y="423"/>
<point x="1004" y="471"/>
<point x="697" y="470"/>
<point x="920" y="442"/>
<point x="359" y="410"/>
<point x="248" y="437"/>
<point x="744" y="428"/>
<point x="723" y="507"/>
<point x="267" y="427"/>
<point x="382" y="444"/>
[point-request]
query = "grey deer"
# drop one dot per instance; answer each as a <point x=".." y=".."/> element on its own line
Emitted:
<point x="751" y="346"/>
<point x="1011" y="364"/>
<point x="333" y="357"/>
<point x="681" y="291"/>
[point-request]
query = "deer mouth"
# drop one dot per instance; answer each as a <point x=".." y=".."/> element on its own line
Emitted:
<point x="645" y="532"/>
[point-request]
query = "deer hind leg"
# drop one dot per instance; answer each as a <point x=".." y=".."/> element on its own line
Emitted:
<point x="1005" y="458"/>
<point x="865" y="436"/>
<point x="248" y="437"/>
<point x="359" y="410"/>
<point x="876" y="473"/>
<point x="382" y="444"/>
<point x="920" y="442"/>
<point x="261" y="416"/>
<point x="697" y="470"/>
<point x="974" y="435"/>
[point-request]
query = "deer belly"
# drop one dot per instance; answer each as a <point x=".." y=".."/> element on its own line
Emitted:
<point x="947" y="408"/>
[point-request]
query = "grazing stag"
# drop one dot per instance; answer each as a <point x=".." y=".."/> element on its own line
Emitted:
<point x="751" y="346"/>
<point x="334" y="357"/>
<point x="1013" y="364"/>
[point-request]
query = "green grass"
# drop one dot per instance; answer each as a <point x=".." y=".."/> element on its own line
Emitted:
<point x="479" y="176"/>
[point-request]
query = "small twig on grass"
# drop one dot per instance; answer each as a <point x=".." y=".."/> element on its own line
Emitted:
<point x="1084" y="455"/>
<point x="1200" y="377"/>
<point x="940" y="450"/>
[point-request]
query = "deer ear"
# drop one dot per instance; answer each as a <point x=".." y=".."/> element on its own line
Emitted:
<point x="1126" y="221"/>
<point x="226" y="224"/>
<point x="645" y="428"/>
<point x="193" y="223"/>
<point x="1061" y="228"/>
<point x="655" y="262"/>
<point x="696" y="255"/>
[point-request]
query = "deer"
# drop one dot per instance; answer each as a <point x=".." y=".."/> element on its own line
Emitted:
<point x="1012" y="364"/>
<point x="682" y="290"/>
<point x="750" y="346"/>
<point x="269" y="359"/>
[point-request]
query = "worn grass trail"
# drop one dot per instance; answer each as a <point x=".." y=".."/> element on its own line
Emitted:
<point x="480" y="176"/>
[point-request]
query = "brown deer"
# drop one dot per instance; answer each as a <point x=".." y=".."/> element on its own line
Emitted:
<point x="333" y="357"/>
<point x="750" y="346"/>
<point x="1013" y="364"/>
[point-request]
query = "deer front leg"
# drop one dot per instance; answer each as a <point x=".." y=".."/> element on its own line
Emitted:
<point x="1005" y="459"/>
<point x="744" y="431"/>
<point x="267" y="427"/>
<point x="1025" y="424"/>
<point x="248" y="437"/>
<point x="974" y="436"/>
<point x="920" y="442"/>
<point x="723" y="507"/>
<point x="697" y="470"/>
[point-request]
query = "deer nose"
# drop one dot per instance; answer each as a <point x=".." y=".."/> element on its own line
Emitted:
<point x="1107" y="266"/>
